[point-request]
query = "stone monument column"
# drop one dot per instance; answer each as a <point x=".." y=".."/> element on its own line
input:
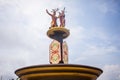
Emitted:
<point x="58" y="48"/>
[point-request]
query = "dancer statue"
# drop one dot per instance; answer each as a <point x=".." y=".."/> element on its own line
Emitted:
<point x="62" y="18"/>
<point x="54" y="17"/>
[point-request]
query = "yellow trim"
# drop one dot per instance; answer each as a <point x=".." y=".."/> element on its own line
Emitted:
<point x="58" y="68"/>
<point x="64" y="74"/>
<point x="62" y="29"/>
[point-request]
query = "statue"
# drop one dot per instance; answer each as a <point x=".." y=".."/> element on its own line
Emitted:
<point x="54" y="17"/>
<point x="62" y="18"/>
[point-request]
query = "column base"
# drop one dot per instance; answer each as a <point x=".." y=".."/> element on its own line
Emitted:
<point x="59" y="72"/>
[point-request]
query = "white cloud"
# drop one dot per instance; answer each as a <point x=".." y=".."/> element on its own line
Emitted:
<point x="110" y="72"/>
<point x="106" y="7"/>
<point x="23" y="39"/>
<point x="90" y="44"/>
<point x="76" y="34"/>
<point x="100" y="50"/>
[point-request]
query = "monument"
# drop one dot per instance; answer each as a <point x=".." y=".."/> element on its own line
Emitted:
<point x="58" y="69"/>
<point x="58" y="48"/>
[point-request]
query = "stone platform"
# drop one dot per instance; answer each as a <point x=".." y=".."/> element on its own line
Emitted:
<point x="58" y="72"/>
<point x="58" y="31"/>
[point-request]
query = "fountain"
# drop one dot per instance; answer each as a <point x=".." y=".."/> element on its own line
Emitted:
<point x="58" y="69"/>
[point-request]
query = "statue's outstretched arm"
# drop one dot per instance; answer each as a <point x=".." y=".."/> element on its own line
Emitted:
<point x="48" y="12"/>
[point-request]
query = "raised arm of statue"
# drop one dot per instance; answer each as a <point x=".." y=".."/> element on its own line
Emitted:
<point x="48" y="12"/>
<point x="53" y="16"/>
<point x="62" y="18"/>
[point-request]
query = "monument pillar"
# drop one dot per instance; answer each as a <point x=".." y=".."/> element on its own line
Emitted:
<point x="58" y="34"/>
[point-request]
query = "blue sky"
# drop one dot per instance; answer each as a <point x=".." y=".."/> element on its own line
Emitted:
<point x="94" y="40"/>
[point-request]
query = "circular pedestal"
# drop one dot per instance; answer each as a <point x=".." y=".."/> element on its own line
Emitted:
<point x="58" y="72"/>
<point x="56" y="31"/>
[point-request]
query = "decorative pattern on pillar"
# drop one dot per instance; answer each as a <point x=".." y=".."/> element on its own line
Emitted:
<point x="65" y="52"/>
<point x="54" y="55"/>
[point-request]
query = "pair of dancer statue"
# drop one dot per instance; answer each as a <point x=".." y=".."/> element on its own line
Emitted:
<point x="54" y="17"/>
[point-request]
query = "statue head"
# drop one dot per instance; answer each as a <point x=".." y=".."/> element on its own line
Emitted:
<point x="54" y="11"/>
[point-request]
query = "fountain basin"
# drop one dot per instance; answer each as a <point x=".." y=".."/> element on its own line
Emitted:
<point x="59" y="72"/>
